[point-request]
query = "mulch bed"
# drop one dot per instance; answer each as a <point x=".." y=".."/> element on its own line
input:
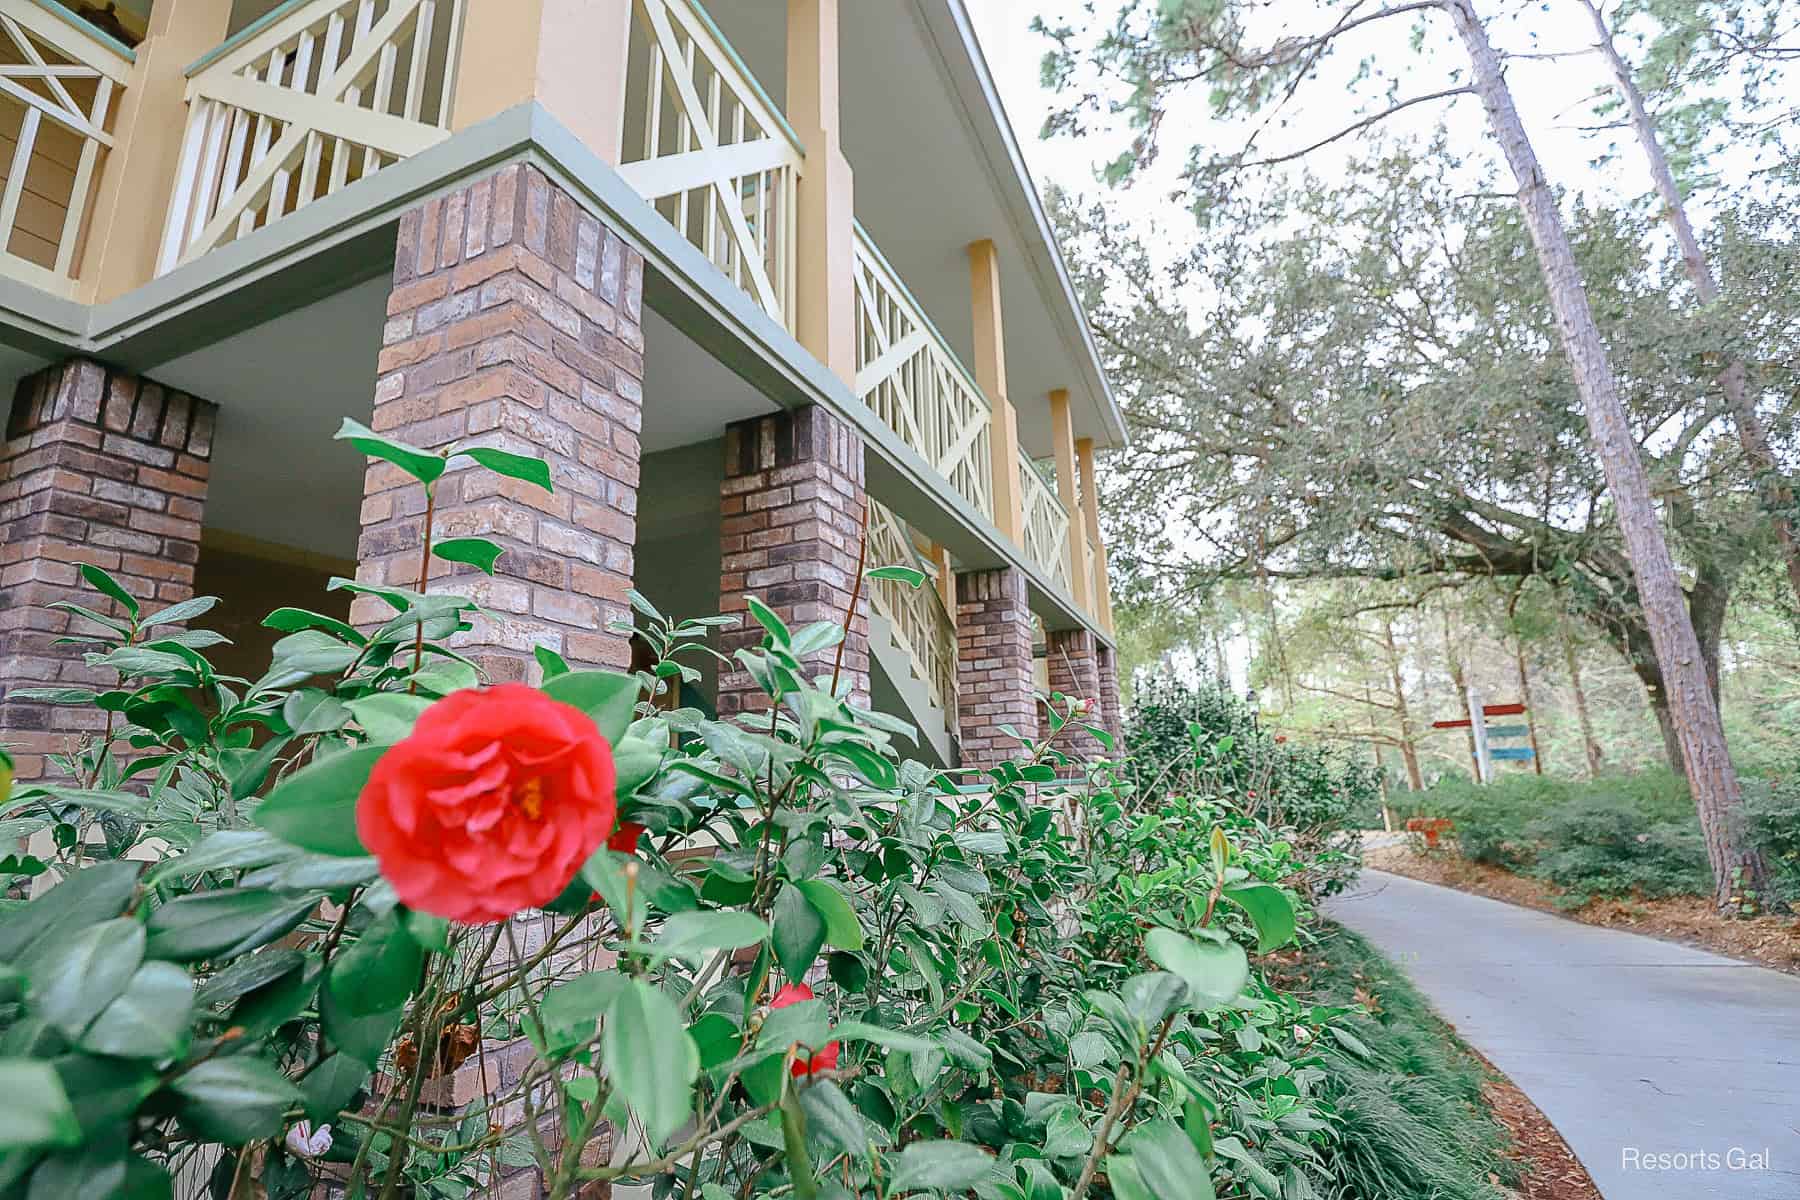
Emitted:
<point x="1550" y="1169"/>
<point x="1770" y="941"/>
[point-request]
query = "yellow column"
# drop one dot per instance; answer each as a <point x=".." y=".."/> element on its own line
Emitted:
<point x="946" y="578"/>
<point x="568" y="55"/>
<point x="1090" y="516"/>
<point x="990" y="373"/>
<point x="139" y="176"/>
<point x="1062" y="432"/>
<point x="825" y="307"/>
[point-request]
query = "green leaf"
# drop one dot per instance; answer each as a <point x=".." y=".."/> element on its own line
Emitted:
<point x="236" y="1099"/>
<point x="692" y="935"/>
<point x="940" y="1166"/>
<point x="106" y="585"/>
<point x="362" y="1038"/>
<point x="431" y="932"/>
<point x="513" y="466"/>
<point x="830" y="1113"/>
<point x="310" y="652"/>
<point x="247" y="974"/>
<point x="842" y="929"/>
<point x="187" y="610"/>
<point x="34" y="1108"/>
<point x="770" y="620"/>
<point x="635" y="762"/>
<point x="71" y="983"/>
<point x="571" y="1011"/>
<point x="907" y="575"/>
<point x="887" y="1039"/>
<point x="225" y="850"/>
<point x="388" y="717"/>
<point x="607" y="696"/>
<point x="378" y="970"/>
<point x="1270" y="910"/>
<point x="149" y="1019"/>
<point x="293" y="620"/>
<point x="477" y="552"/>
<point x="1168" y="1163"/>
<point x="315" y="807"/>
<point x="1215" y="972"/>
<point x="86" y="897"/>
<point x="799" y="932"/>
<point x="421" y="465"/>
<point x="218" y="925"/>
<point x="550" y="662"/>
<point x="332" y="1085"/>
<point x="650" y="1058"/>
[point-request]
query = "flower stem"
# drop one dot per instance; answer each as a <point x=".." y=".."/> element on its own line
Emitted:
<point x="424" y="573"/>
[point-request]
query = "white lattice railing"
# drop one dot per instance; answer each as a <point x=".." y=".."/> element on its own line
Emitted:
<point x="313" y="97"/>
<point x="1046" y="524"/>
<point x="59" y="78"/>
<point x="1092" y="567"/>
<point x="716" y="157"/>
<point x="907" y="373"/>
<point x="922" y="628"/>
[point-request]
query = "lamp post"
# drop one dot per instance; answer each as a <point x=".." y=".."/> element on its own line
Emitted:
<point x="1250" y="698"/>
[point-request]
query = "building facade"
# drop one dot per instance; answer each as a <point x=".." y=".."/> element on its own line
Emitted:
<point x="760" y="284"/>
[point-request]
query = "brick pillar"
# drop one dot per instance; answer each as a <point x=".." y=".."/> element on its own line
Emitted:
<point x="514" y="322"/>
<point x="792" y="503"/>
<point x="994" y="684"/>
<point x="98" y="467"/>
<point x="1074" y="664"/>
<point x="1110" y="708"/>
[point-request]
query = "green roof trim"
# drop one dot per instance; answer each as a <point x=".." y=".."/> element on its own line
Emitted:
<point x="105" y="39"/>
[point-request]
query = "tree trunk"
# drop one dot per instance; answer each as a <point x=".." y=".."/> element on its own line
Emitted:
<point x="1462" y="696"/>
<point x="1537" y="754"/>
<point x="1589" y="742"/>
<point x="1409" y="748"/>
<point x="1737" y="866"/>
<point x="1777" y="496"/>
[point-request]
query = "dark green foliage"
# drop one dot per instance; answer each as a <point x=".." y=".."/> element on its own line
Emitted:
<point x="1415" y="1123"/>
<point x="1772" y="808"/>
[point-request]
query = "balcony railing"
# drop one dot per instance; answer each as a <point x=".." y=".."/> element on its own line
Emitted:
<point x="59" y="78"/>
<point x="313" y="97"/>
<point x="715" y="155"/>
<point x="908" y="374"/>
<point x="1046" y="524"/>
<point x="921" y="627"/>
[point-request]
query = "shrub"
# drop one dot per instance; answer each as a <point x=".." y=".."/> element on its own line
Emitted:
<point x="1605" y="846"/>
<point x="821" y="956"/>
<point x="1772" y="811"/>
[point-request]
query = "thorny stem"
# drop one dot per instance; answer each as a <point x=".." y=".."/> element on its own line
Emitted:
<point x="1121" y="1104"/>
<point x="862" y="559"/>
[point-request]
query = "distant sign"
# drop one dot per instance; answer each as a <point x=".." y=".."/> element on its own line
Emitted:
<point x="1509" y="731"/>
<point x="1487" y="710"/>
<point x="1511" y="753"/>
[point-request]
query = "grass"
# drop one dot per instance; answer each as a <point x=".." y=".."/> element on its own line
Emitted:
<point x="1415" y="1124"/>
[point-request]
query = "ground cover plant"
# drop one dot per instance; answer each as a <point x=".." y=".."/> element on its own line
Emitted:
<point x="1613" y="837"/>
<point x="772" y="956"/>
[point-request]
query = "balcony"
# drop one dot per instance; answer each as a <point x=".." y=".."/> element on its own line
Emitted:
<point x="59" y="91"/>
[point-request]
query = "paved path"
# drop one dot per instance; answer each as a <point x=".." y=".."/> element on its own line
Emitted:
<point x="1632" y="1047"/>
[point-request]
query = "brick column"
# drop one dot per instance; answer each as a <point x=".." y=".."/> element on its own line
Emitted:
<point x="514" y="322"/>
<point x="1110" y="708"/>
<point x="98" y="467"/>
<point x="994" y="684"/>
<point x="792" y="504"/>
<point x="1074" y="665"/>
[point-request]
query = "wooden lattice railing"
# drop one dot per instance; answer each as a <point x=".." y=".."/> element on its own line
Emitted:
<point x="1046" y="524"/>
<point x="312" y="98"/>
<point x="908" y="374"/>
<point x="59" y="78"/>
<point x="922" y="628"/>
<point x="715" y="157"/>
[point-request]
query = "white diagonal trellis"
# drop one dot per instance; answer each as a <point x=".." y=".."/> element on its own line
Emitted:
<point x="715" y="158"/>
<point x="908" y="375"/>
<point x="1046" y="524"/>
<point x="58" y="82"/>
<point x="323" y="96"/>
<point x="921" y="627"/>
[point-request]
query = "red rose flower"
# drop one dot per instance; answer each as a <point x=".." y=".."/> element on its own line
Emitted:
<point x="824" y="1060"/>
<point x="490" y="805"/>
<point x="625" y="837"/>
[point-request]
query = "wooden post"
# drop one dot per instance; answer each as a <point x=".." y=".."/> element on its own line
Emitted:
<point x="825" y="233"/>
<point x="1062" y="432"/>
<point x="568" y="55"/>
<point x="990" y="374"/>
<point x="139" y="176"/>
<point x="1090" y="517"/>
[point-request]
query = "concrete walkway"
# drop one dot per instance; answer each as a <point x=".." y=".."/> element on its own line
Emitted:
<point x="1665" y="1068"/>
